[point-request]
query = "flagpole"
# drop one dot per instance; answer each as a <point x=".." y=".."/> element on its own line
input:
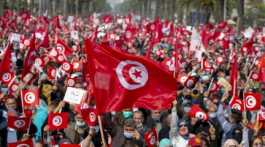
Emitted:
<point x="29" y="126"/>
<point x="245" y="87"/>
<point x="101" y="131"/>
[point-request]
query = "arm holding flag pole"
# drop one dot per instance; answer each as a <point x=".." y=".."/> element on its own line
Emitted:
<point x="101" y="131"/>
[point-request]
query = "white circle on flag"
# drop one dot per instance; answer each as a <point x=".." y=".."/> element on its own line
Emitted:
<point x="183" y="79"/>
<point x="262" y="114"/>
<point x="92" y="116"/>
<point x="60" y="49"/>
<point x="152" y="140"/>
<point x="219" y="59"/>
<point x="60" y="58"/>
<point x="255" y="76"/>
<point x="66" y="66"/>
<point x="57" y="121"/>
<point x="14" y="87"/>
<point x="236" y="106"/>
<point x="71" y="82"/>
<point x="19" y="123"/>
<point x="38" y="61"/>
<point x="29" y="97"/>
<point x="250" y="101"/>
<point x="75" y="65"/>
<point x="200" y="115"/>
<point x="136" y="72"/>
<point x="6" y="77"/>
<point x="23" y="145"/>
<point x="53" y="72"/>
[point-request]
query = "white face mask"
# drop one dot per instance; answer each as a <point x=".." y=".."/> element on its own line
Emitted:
<point x="212" y="115"/>
<point x="186" y="109"/>
<point x="96" y="128"/>
<point x="127" y="134"/>
<point x="80" y="123"/>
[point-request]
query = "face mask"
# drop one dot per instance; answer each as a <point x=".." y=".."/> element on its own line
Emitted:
<point x="140" y="125"/>
<point x="127" y="134"/>
<point x="156" y="119"/>
<point x="80" y="124"/>
<point x="186" y="109"/>
<point x="4" y="90"/>
<point x="212" y="114"/>
<point x="96" y="128"/>
<point x="127" y="114"/>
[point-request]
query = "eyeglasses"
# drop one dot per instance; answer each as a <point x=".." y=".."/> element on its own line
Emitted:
<point x="182" y="125"/>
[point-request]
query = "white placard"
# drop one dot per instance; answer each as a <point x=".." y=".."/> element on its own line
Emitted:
<point x="14" y="37"/>
<point x="39" y="35"/>
<point x="249" y="32"/>
<point x="74" y="35"/>
<point x="74" y="95"/>
<point x="196" y="44"/>
<point x="70" y="19"/>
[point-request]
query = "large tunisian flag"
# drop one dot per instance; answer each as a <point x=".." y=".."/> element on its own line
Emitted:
<point x="124" y="81"/>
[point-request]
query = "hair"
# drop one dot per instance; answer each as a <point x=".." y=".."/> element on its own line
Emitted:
<point x="235" y="114"/>
<point x="254" y="138"/>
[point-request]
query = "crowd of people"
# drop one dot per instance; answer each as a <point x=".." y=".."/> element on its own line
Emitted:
<point x="202" y="58"/>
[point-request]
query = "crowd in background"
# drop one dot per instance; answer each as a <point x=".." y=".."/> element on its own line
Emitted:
<point x="205" y="68"/>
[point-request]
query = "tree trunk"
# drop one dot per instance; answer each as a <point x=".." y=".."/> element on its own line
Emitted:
<point x="64" y="7"/>
<point x="173" y="10"/>
<point x="2" y="7"/>
<point x="76" y="7"/>
<point x="149" y="7"/>
<point x="145" y="7"/>
<point x="158" y="8"/>
<point x="162" y="8"/>
<point x="240" y="11"/>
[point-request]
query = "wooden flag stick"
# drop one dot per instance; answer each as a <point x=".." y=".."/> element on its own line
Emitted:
<point x="29" y="126"/>
<point x="101" y="131"/>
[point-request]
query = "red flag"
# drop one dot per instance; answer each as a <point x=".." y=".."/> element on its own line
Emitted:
<point x="197" y="112"/>
<point x="63" y="48"/>
<point x="26" y="143"/>
<point x="236" y="103"/>
<point x="151" y="138"/>
<point x="70" y="145"/>
<point x="56" y="22"/>
<point x="122" y="81"/>
<point x="107" y="18"/>
<point x="30" y="97"/>
<point x="90" y="116"/>
<point x="261" y="65"/>
<point x="30" y="56"/>
<point x="45" y="42"/>
<point x="18" y="123"/>
<point x="252" y="101"/>
<point x="205" y="65"/>
<point x="67" y="67"/>
<point x="261" y="114"/>
<point x="57" y="121"/>
<point x="233" y="77"/>
<point x="7" y="76"/>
